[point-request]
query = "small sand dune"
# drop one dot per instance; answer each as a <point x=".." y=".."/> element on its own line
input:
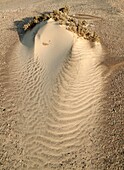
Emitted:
<point x="59" y="79"/>
<point x="61" y="96"/>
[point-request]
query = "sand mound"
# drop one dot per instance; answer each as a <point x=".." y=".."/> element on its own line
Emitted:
<point x="52" y="44"/>
<point x="52" y="112"/>
<point x="60" y="87"/>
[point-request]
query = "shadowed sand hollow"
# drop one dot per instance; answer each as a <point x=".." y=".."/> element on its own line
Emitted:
<point x="59" y="78"/>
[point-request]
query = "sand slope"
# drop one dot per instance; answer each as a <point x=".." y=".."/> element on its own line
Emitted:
<point x="61" y="107"/>
<point x="60" y="84"/>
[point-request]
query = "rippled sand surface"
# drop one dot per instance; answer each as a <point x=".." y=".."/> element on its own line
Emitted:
<point x="60" y="85"/>
<point x="61" y="96"/>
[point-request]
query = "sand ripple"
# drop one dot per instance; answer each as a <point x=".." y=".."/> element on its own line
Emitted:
<point x="60" y="85"/>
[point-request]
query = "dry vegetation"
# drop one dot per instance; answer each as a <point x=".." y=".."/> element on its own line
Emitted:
<point x="62" y="16"/>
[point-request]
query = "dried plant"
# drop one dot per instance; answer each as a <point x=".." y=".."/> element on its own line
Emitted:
<point x="73" y="23"/>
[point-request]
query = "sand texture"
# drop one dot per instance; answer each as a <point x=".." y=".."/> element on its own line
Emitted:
<point x="61" y="95"/>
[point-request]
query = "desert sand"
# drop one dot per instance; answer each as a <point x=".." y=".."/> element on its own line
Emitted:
<point x="61" y="96"/>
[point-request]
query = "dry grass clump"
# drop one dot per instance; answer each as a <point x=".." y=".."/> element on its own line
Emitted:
<point x="62" y="16"/>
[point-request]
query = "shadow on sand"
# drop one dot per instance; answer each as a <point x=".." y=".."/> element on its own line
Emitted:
<point x="18" y="27"/>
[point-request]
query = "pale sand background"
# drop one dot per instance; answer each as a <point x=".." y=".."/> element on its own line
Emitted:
<point x="76" y="127"/>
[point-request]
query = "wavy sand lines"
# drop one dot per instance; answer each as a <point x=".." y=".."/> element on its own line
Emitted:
<point x="60" y="87"/>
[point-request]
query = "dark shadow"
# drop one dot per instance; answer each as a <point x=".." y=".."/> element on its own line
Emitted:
<point x="18" y="27"/>
<point x="19" y="24"/>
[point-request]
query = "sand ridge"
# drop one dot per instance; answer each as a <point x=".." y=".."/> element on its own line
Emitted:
<point x="61" y="87"/>
<point x="61" y="112"/>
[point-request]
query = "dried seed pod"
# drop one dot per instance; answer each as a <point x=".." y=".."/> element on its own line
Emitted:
<point x="46" y="17"/>
<point x="82" y="32"/>
<point x="36" y="17"/>
<point x="84" y="23"/>
<point x="70" y="19"/>
<point x="72" y="24"/>
<point x="84" y="29"/>
<point x="39" y="18"/>
<point x="32" y="24"/>
<point x="79" y="29"/>
<point x="67" y="23"/>
<point x="36" y="21"/>
<point x="28" y="26"/>
<point x="95" y="37"/>
<point x="88" y="34"/>
<point x="56" y="17"/>
<point x="74" y="28"/>
<point x="25" y="27"/>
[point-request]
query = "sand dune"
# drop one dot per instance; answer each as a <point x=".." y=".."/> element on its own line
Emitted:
<point x="60" y="84"/>
<point x="61" y="96"/>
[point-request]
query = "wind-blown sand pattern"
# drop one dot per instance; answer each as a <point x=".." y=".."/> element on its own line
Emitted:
<point x="61" y="88"/>
<point x="61" y="106"/>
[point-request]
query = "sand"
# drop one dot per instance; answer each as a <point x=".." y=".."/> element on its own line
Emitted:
<point x="61" y="96"/>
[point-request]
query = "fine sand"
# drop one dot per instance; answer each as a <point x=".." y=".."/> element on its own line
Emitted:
<point x="61" y="96"/>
